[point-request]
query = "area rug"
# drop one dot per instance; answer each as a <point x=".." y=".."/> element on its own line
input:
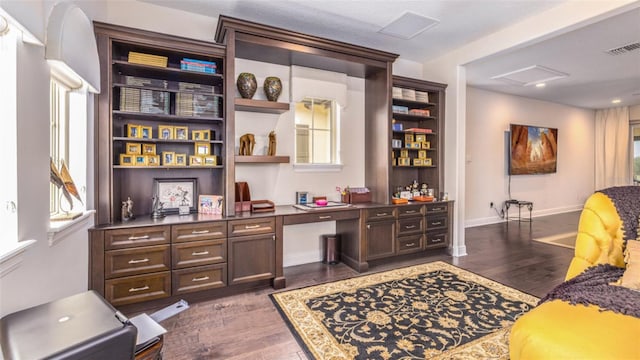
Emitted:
<point x="428" y="311"/>
<point x="567" y="240"/>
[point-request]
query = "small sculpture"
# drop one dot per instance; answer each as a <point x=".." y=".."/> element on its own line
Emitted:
<point x="127" y="210"/>
<point x="272" y="144"/>
<point x="247" y="85"/>
<point x="272" y="88"/>
<point x="156" y="208"/>
<point x="247" y="142"/>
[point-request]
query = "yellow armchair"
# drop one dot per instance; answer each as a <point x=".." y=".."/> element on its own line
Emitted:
<point x="559" y="330"/>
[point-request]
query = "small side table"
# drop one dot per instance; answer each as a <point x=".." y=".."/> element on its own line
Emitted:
<point x="519" y="204"/>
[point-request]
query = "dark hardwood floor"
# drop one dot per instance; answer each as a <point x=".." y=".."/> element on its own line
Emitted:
<point x="248" y="326"/>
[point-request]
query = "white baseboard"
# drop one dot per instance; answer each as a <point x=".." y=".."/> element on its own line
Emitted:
<point x="535" y="213"/>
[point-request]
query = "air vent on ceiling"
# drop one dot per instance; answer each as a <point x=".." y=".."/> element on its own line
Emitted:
<point x="530" y="75"/>
<point x="408" y="25"/>
<point x="624" y="49"/>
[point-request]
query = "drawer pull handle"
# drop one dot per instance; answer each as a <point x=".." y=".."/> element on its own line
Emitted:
<point x="437" y="223"/>
<point x="437" y="209"/>
<point x="203" y="278"/>
<point x="138" y="261"/>
<point x="410" y="211"/>
<point x="146" y="287"/>
<point x="409" y="244"/>
<point x="197" y="232"/>
<point x="324" y="217"/>
<point x="409" y="226"/>
<point x="139" y="237"/>
<point x="437" y="240"/>
<point x="200" y="253"/>
<point x="252" y="226"/>
<point x="381" y="214"/>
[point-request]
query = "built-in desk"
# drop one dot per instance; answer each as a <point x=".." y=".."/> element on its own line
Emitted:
<point x="154" y="259"/>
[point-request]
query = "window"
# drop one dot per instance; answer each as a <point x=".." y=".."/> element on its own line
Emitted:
<point x="317" y="135"/>
<point x="68" y="147"/>
<point x="635" y="152"/>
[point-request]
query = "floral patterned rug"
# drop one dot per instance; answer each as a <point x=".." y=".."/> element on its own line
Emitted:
<point x="428" y="311"/>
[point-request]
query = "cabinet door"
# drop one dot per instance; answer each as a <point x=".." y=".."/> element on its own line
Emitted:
<point x="380" y="238"/>
<point x="252" y="258"/>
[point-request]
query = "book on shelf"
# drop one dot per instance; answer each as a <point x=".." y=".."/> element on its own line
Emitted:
<point x="147" y="59"/>
<point x="418" y="130"/>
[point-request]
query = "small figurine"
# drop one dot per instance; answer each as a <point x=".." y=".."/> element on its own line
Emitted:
<point x="271" y="150"/>
<point x="423" y="189"/>
<point x="127" y="210"/>
<point x="156" y="208"/>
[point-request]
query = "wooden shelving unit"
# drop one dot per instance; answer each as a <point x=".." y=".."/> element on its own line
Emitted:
<point x="263" y="106"/>
<point x="264" y="159"/>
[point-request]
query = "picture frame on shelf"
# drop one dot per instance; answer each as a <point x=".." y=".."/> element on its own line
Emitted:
<point x="133" y="131"/>
<point x="153" y="160"/>
<point x="421" y="138"/>
<point x="195" y="160"/>
<point x="427" y="162"/>
<point x="202" y="149"/>
<point x="210" y="160"/>
<point x="210" y="204"/>
<point x="133" y="148"/>
<point x="141" y="160"/>
<point x="146" y="132"/>
<point x="168" y="158"/>
<point x="165" y="132"/>
<point x="126" y="160"/>
<point x="422" y="154"/>
<point x="181" y="159"/>
<point x="176" y="193"/>
<point x="181" y="132"/>
<point x="201" y="135"/>
<point x="426" y="144"/>
<point x="148" y="149"/>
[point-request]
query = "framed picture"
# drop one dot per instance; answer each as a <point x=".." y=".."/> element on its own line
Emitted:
<point x="148" y="149"/>
<point x="426" y="144"/>
<point x="408" y="138"/>
<point x="427" y="162"/>
<point x="418" y="162"/>
<point x="153" y="160"/>
<point x="133" y="131"/>
<point x="141" y="160"/>
<point x="146" y="132"/>
<point x="202" y="149"/>
<point x="210" y="160"/>
<point x="404" y="153"/>
<point x="126" y="160"/>
<point x="181" y="132"/>
<point x="168" y="158"/>
<point x="200" y="135"/>
<point x="210" y="204"/>
<point x="165" y="132"/>
<point x="181" y="159"/>
<point x="422" y="154"/>
<point x="421" y="137"/>
<point x="133" y="148"/>
<point x="174" y="193"/>
<point x="195" y="160"/>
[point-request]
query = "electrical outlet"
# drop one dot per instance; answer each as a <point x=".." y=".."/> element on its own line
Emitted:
<point x="491" y="205"/>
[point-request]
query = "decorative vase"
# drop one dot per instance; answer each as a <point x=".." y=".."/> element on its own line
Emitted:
<point x="272" y="88"/>
<point x="247" y="85"/>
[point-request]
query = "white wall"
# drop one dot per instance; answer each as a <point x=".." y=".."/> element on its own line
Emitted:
<point x="488" y="117"/>
<point x="634" y="112"/>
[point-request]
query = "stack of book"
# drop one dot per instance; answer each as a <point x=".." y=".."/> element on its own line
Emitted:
<point x="154" y="102"/>
<point x="198" y="65"/>
<point x="145" y="82"/>
<point x="397" y="93"/>
<point x="420" y="112"/>
<point x="409" y="94"/>
<point x="147" y="59"/>
<point x="129" y="99"/>
<point x="400" y="109"/>
<point x="192" y="104"/>
<point x="422" y="96"/>
<point x="187" y="86"/>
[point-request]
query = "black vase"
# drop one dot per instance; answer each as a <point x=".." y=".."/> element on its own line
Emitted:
<point x="247" y="85"/>
<point x="272" y="88"/>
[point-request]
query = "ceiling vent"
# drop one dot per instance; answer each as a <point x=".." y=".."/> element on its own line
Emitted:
<point x="530" y="76"/>
<point x="408" y="25"/>
<point x="621" y="50"/>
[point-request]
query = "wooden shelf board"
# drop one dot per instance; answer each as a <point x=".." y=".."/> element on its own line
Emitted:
<point x="401" y="116"/>
<point x="263" y="106"/>
<point x="165" y="117"/>
<point x="174" y="141"/>
<point x="166" y="167"/>
<point x="261" y="159"/>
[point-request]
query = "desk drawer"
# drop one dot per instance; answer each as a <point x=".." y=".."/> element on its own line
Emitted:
<point x="321" y="216"/>
<point x="386" y="213"/>
<point x="252" y="226"/>
<point x="411" y="210"/>
<point x="437" y="239"/>
<point x="199" y="231"/>
<point x="142" y="260"/>
<point x="437" y="222"/>
<point x="133" y="289"/>
<point x="437" y="208"/>
<point x="134" y="237"/>
<point x="199" y="278"/>
<point x="410" y="225"/>
<point x="411" y="243"/>
<point x="198" y="253"/>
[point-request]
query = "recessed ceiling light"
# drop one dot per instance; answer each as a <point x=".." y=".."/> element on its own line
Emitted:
<point x="408" y="25"/>
<point x="616" y="101"/>
<point x="541" y="85"/>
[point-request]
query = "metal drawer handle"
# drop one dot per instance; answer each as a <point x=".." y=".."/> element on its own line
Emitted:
<point x="138" y="237"/>
<point x="437" y="240"/>
<point x="410" y="211"/>
<point x="409" y="226"/>
<point x="437" y="223"/>
<point x="381" y="214"/>
<point x="200" y="279"/>
<point x="409" y="244"/>
<point x="252" y="226"/>
<point x="200" y="253"/>
<point x="437" y="209"/>
<point x="146" y="287"/>
<point x="324" y="217"/>
<point x="134" y="261"/>
<point x="196" y="232"/>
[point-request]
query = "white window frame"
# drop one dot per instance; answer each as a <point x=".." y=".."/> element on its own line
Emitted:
<point x="334" y="164"/>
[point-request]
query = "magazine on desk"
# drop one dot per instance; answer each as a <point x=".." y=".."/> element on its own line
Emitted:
<point x="330" y="205"/>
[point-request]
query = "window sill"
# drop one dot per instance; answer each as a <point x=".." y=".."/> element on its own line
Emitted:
<point x="59" y="231"/>
<point x="317" y="167"/>
<point x="11" y="257"/>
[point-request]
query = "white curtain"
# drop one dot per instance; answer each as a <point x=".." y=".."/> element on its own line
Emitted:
<point x="612" y="147"/>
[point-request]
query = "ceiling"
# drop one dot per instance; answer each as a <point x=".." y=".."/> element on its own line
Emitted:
<point x="594" y="77"/>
